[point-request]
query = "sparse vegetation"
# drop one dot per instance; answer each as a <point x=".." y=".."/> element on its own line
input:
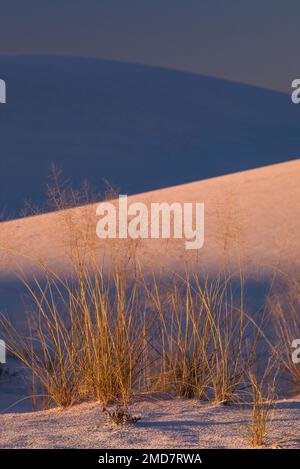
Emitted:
<point x="111" y="334"/>
<point x="120" y="415"/>
<point x="86" y="337"/>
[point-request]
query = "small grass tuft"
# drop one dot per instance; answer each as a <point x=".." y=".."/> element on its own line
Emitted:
<point x="262" y="406"/>
<point x="120" y="415"/>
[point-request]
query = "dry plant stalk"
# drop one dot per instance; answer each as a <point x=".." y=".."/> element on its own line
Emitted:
<point x="262" y="406"/>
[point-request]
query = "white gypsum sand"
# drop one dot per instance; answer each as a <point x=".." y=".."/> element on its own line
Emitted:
<point x="165" y="423"/>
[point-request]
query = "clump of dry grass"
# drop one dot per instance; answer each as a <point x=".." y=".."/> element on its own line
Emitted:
<point x="235" y="340"/>
<point x="182" y="339"/>
<point x="262" y="406"/>
<point x="50" y="348"/>
<point x="207" y="344"/>
<point x="115" y="337"/>
<point x="86" y="337"/>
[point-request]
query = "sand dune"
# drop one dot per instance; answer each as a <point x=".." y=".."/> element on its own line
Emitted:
<point x="251" y="219"/>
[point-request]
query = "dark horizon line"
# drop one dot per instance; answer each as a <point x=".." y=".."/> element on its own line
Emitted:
<point x="140" y="64"/>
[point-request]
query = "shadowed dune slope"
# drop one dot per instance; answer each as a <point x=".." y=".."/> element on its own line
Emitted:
<point x="142" y="128"/>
